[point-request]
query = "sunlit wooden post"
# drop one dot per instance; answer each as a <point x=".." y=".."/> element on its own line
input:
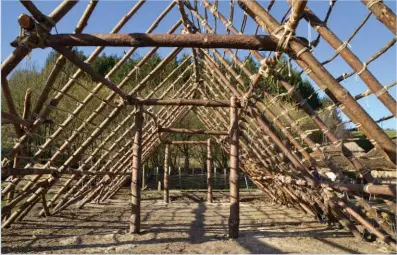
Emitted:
<point x="209" y="174"/>
<point x="234" y="218"/>
<point x="158" y="182"/>
<point x="166" y="191"/>
<point x="135" y="219"/>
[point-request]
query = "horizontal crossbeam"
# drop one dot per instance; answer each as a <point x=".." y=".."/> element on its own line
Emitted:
<point x="191" y="131"/>
<point x="179" y="102"/>
<point x="33" y="171"/>
<point x="249" y="42"/>
<point x="187" y="142"/>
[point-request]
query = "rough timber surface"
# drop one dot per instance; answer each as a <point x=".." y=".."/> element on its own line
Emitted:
<point x="186" y="225"/>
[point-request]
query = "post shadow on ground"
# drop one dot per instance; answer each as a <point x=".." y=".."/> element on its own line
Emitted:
<point x="197" y="229"/>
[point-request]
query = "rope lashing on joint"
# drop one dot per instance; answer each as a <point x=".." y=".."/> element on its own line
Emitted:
<point x="284" y="34"/>
<point x="264" y="70"/>
<point x="33" y="39"/>
<point x="359" y="72"/>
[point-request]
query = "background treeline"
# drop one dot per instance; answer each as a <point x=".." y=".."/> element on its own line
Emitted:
<point x="30" y="77"/>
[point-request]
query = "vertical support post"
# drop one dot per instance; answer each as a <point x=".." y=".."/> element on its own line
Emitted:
<point x="143" y="177"/>
<point x="215" y="179"/>
<point x="209" y="168"/>
<point x="246" y="181"/>
<point x="157" y="179"/>
<point x="135" y="219"/>
<point x="224" y="175"/>
<point x="166" y="191"/>
<point x="234" y="218"/>
<point x="180" y="177"/>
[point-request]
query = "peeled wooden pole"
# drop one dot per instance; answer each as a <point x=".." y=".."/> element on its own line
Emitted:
<point x="113" y="146"/>
<point x="8" y="118"/>
<point x="143" y="177"/>
<point x="383" y="13"/>
<point x="34" y="171"/>
<point x="157" y="179"/>
<point x="192" y="131"/>
<point x="179" y="101"/>
<point x="335" y="209"/>
<point x="20" y="52"/>
<point x="257" y="42"/>
<point x="135" y="219"/>
<point x="60" y="62"/>
<point x="351" y="59"/>
<point x="108" y="194"/>
<point x="188" y="142"/>
<point x="209" y="177"/>
<point x="72" y="57"/>
<point x="234" y="218"/>
<point x="54" y="102"/>
<point x="352" y="109"/>
<point x="166" y="191"/>
<point x="98" y="130"/>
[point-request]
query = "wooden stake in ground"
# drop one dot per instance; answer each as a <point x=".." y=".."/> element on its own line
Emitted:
<point x="209" y="177"/>
<point x="166" y="191"/>
<point x="234" y="218"/>
<point x="143" y="178"/>
<point x="135" y="219"/>
<point x="157" y="179"/>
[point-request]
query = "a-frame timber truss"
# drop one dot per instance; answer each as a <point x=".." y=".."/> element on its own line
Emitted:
<point x="262" y="137"/>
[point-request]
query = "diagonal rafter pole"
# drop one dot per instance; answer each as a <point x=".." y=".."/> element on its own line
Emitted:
<point x="55" y="101"/>
<point x="305" y="59"/>
<point x="106" y="154"/>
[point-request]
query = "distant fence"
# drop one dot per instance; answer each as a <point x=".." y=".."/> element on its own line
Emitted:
<point x="193" y="178"/>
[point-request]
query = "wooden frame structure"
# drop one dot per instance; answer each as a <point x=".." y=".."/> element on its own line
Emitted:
<point x="233" y="134"/>
<point x="266" y="141"/>
<point x="209" y="162"/>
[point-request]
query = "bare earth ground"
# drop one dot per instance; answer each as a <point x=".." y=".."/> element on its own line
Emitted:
<point x="184" y="226"/>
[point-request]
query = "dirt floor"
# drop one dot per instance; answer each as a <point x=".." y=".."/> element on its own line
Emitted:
<point x="186" y="225"/>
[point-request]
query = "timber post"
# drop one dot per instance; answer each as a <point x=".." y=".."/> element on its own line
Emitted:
<point x="143" y="177"/>
<point x="166" y="191"/>
<point x="135" y="219"/>
<point x="157" y="179"/>
<point x="234" y="218"/>
<point x="209" y="175"/>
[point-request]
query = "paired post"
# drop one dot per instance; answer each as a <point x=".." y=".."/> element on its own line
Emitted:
<point x="166" y="191"/>
<point x="209" y="174"/>
<point x="135" y="219"/>
<point x="143" y="177"/>
<point x="234" y="218"/>
<point x="157" y="179"/>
